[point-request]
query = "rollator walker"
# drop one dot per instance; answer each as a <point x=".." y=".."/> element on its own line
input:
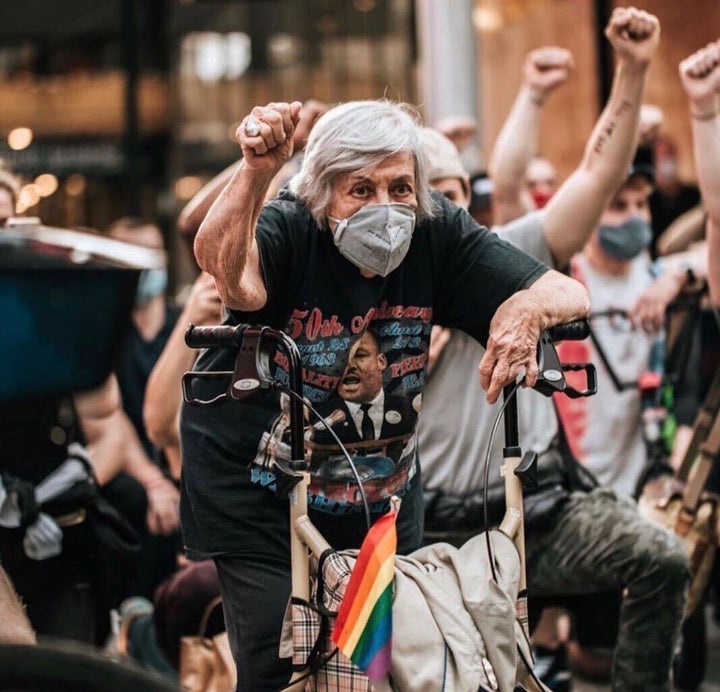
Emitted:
<point x="319" y="575"/>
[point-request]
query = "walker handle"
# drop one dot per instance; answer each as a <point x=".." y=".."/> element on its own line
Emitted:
<point x="217" y="336"/>
<point x="570" y="331"/>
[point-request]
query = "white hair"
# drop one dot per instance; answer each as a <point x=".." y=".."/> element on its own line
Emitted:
<point x="356" y="136"/>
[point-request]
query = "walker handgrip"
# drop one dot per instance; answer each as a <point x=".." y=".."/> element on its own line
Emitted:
<point x="218" y="336"/>
<point x="570" y="331"/>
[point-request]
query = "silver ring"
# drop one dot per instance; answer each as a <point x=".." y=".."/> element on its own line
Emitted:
<point x="252" y="127"/>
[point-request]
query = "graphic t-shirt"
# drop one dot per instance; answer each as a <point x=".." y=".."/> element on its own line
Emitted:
<point x="605" y="431"/>
<point x="364" y="346"/>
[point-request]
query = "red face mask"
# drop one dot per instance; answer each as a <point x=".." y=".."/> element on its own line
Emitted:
<point x="540" y="197"/>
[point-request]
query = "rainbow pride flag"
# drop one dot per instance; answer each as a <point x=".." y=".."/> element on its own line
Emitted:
<point x="363" y="628"/>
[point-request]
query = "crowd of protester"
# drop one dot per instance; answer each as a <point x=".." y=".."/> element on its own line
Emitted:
<point x="283" y="233"/>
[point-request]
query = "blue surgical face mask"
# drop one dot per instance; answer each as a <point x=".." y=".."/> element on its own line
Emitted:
<point x="626" y="240"/>
<point x="152" y="283"/>
<point x="376" y="237"/>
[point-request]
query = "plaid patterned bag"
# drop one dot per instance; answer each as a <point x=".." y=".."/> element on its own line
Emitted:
<point x="312" y="625"/>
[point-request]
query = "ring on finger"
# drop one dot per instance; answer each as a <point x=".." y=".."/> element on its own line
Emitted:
<point x="252" y="127"/>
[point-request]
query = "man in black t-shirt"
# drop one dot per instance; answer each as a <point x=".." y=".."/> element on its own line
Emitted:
<point x="360" y="243"/>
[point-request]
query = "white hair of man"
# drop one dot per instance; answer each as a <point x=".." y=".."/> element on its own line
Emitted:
<point x="358" y="136"/>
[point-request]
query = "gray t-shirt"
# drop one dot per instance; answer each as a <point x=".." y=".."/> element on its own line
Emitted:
<point x="605" y="431"/>
<point x="455" y="422"/>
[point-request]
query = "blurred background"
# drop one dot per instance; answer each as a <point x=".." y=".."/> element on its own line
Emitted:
<point x="128" y="106"/>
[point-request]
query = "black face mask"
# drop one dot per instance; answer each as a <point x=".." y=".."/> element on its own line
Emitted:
<point x="626" y="240"/>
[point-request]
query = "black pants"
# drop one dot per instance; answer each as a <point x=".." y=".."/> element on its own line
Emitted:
<point x="158" y="554"/>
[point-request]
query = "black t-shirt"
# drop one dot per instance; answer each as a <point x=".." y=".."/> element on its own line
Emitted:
<point x="138" y="360"/>
<point x="362" y="341"/>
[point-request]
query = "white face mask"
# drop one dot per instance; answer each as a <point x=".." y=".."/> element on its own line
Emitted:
<point x="376" y="237"/>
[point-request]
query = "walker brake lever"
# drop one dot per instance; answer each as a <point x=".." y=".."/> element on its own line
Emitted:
<point x="551" y="377"/>
<point x="550" y="371"/>
<point x="251" y="366"/>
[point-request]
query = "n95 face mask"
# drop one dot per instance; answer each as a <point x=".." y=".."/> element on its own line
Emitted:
<point x="376" y="237"/>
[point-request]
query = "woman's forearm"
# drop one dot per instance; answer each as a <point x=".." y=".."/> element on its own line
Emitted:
<point x="225" y="244"/>
<point x="559" y="299"/>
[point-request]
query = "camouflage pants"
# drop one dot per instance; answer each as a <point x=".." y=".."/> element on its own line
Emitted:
<point x="599" y="543"/>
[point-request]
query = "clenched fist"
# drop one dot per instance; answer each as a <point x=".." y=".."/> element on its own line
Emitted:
<point x="700" y="73"/>
<point x="634" y="35"/>
<point x="266" y="135"/>
<point x="545" y="69"/>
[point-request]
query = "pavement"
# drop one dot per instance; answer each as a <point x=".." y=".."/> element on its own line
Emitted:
<point x="712" y="676"/>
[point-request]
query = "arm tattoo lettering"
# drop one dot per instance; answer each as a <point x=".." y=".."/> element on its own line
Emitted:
<point x="607" y="131"/>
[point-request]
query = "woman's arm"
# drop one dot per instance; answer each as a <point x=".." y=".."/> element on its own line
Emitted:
<point x="225" y="245"/>
<point x="515" y="329"/>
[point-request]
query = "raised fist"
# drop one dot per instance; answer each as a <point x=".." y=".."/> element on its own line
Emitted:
<point x="266" y="135"/>
<point x="700" y="73"/>
<point x="547" y="68"/>
<point x="634" y="34"/>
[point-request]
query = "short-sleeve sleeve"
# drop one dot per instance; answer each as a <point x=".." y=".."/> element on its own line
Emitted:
<point x="480" y="272"/>
<point x="282" y="233"/>
<point x="527" y="233"/>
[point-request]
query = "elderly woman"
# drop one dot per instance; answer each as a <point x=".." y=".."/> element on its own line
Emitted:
<point x="359" y="244"/>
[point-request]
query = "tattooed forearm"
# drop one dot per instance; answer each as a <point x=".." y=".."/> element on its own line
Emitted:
<point x="607" y="130"/>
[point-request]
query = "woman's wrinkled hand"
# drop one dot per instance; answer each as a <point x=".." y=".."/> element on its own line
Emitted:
<point x="512" y="345"/>
<point x="266" y="136"/>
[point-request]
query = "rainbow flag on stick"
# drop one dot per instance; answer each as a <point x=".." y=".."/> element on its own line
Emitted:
<point x="363" y="629"/>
